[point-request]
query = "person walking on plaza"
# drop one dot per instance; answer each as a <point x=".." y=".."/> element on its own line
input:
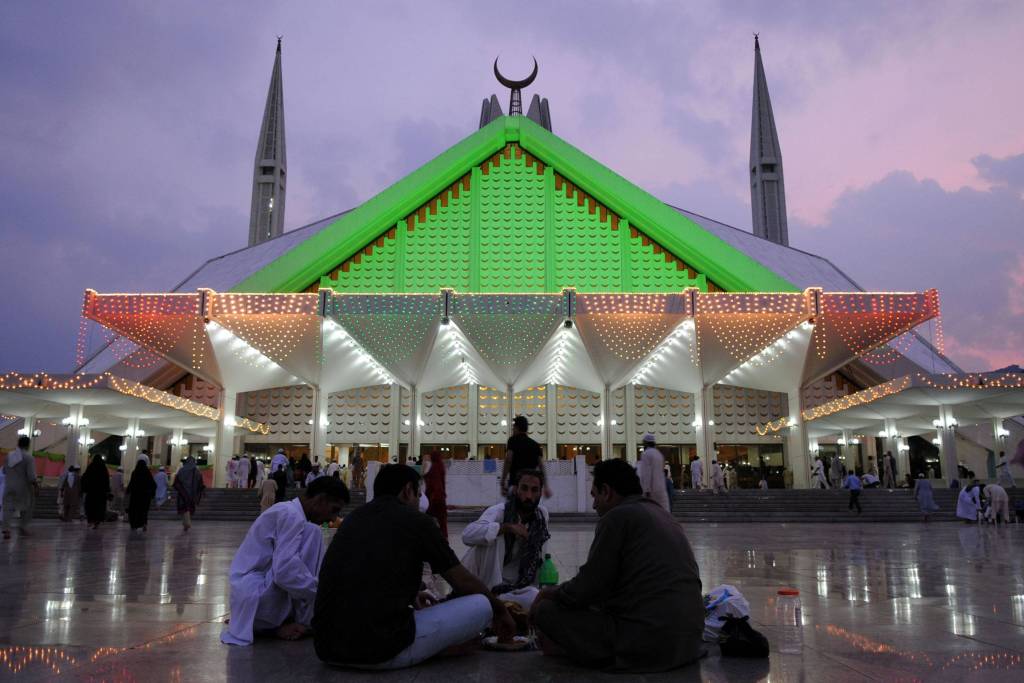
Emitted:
<point x="141" y="492"/>
<point x="160" y="479"/>
<point x="357" y="471"/>
<point x="853" y="483"/>
<point x="925" y="496"/>
<point x="96" y="487"/>
<point x="521" y="453"/>
<point x="836" y="475"/>
<point x="370" y="610"/>
<point x="280" y="477"/>
<point x="279" y="461"/>
<point x="888" y="471"/>
<point x="252" y="472"/>
<point x="717" y="478"/>
<point x="259" y="473"/>
<point x="231" y="469"/>
<point x="189" y="487"/>
<point x="242" y="473"/>
<point x="1003" y="475"/>
<point x="275" y="572"/>
<point x="117" y="489"/>
<point x="268" y="494"/>
<point x="20" y="487"/>
<point x="999" y="503"/>
<point x="968" y="503"/>
<point x="436" y="490"/>
<point x="818" y="474"/>
<point x="651" y="472"/>
<point x="70" y="488"/>
<point x="636" y="604"/>
<point x="697" y="474"/>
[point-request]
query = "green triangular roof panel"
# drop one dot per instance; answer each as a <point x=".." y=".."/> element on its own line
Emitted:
<point x="513" y="208"/>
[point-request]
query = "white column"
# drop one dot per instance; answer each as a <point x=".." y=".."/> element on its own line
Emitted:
<point x="318" y="430"/>
<point x="225" y="442"/>
<point x="414" y="424"/>
<point x="72" y="448"/>
<point x="947" y="444"/>
<point x="606" y="423"/>
<point x="895" y="443"/>
<point x="582" y="490"/>
<point x="29" y="425"/>
<point x="999" y="437"/>
<point x="797" y="443"/>
<point x="510" y="408"/>
<point x="473" y="410"/>
<point x="131" y="443"/>
<point x="177" y="448"/>
<point x="394" y="425"/>
<point x="84" y="435"/>
<point x="551" y="410"/>
<point x="703" y="402"/>
<point x="630" y="422"/>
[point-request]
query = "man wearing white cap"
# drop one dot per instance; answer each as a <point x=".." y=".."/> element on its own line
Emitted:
<point x="651" y="471"/>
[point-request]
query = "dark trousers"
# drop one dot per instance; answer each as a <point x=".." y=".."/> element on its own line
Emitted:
<point x="854" y="500"/>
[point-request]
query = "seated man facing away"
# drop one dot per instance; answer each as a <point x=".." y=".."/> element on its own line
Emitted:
<point x="506" y="545"/>
<point x="636" y="604"/>
<point x="274" y="573"/>
<point x="371" y="611"/>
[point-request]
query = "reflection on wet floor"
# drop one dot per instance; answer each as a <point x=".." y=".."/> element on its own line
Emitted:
<point x="884" y="602"/>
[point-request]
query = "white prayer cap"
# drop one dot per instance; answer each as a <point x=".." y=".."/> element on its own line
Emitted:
<point x="649" y="438"/>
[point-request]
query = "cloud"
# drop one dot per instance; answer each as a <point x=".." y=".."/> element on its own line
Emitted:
<point x="905" y="233"/>
<point x="1007" y="172"/>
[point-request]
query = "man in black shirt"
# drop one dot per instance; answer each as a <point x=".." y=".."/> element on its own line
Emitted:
<point x="521" y="453"/>
<point x="370" y="611"/>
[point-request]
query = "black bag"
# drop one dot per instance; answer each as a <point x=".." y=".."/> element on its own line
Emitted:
<point x="739" y="639"/>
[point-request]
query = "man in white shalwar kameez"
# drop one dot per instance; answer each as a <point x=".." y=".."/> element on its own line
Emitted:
<point x="968" y="503"/>
<point x="230" y="470"/>
<point x="242" y="473"/>
<point x="717" y="478"/>
<point x="818" y="475"/>
<point x="275" y="571"/>
<point x="697" y="474"/>
<point x="651" y="471"/>
<point x="279" y="461"/>
<point x="161" y="486"/>
<point x="511" y="576"/>
<point x="998" y="502"/>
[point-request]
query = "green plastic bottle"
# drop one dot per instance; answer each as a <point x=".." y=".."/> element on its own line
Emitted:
<point x="548" y="572"/>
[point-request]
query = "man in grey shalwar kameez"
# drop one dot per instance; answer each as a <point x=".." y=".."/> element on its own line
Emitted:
<point x="636" y="604"/>
<point x="19" y="487"/>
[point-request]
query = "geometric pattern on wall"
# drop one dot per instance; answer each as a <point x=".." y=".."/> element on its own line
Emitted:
<point x="360" y="415"/>
<point x="446" y="414"/>
<point x="589" y="247"/>
<point x="738" y="411"/>
<point x="287" y="410"/>
<point x="533" y="404"/>
<point x="199" y="390"/>
<point x="666" y="414"/>
<point x="825" y="389"/>
<point x="578" y="413"/>
<point x="493" y="409"/>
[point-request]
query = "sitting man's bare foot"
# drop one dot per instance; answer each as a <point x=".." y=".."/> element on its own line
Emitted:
<point x="292" y="631"/>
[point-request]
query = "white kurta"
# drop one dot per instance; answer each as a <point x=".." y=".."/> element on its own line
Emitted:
<point x="485" y="558"/>
<point x="697" y="473"/>
<point x="998" y="501"/>
<point x="651" y="471"/>
<point x="232" y="471"/>
<point x="279" y="461"/>
<point x="242" y="472"/>
<point x="259" y="474"/>
<point x="819" y="475"/>
<point x="968" y="504"/>
<point x="161" y="487"/>
<point x="717" y="478"/>
<point x="274" y="573"/>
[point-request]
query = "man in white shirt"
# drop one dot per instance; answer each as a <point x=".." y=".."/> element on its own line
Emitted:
<point x="275" y="571"/>
<point x="651" y="471"/>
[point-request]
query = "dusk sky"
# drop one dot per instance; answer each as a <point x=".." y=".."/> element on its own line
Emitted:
<point x="129" y="129"/>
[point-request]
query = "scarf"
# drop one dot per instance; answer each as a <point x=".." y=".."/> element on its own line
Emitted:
<point x="531" y="559"/>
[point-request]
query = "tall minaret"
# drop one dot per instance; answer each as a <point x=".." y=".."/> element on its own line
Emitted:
<point x="767" y="191"/>
<point x="266" y="219"/>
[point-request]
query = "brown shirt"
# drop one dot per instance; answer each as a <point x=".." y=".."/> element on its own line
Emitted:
<point x="641" y="571"/>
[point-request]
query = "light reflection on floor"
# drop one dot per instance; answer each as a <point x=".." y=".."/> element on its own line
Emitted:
<point x="884" y="602"/>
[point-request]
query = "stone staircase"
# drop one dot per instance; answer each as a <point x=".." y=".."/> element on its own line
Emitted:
<point x="743" y="505"/>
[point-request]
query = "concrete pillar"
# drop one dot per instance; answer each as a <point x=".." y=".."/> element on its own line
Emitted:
<point x="797" y="443"/>
<point x="414" y="424"/>
<point x="999" y="437"/>
<point x="473" y="402"/>
<point x="703" y="427"/>
<point x="606" y="423"/>
<point x="394" y="425"/>
<point x="131" y="443"/>
<point x="318" y="430"/>
<point x="582" y="490"/>
<point x="894" y="443"/>
<point x="29" y="427"/>
<point x="630" y="422"/>
<point x="947" y="444"/>
<point x="223" y="446"/>
<point x="177" y="448"/>
<point x="510" y="409"/>
<point x="551" y="410"/>
<point x="72" y="447"/>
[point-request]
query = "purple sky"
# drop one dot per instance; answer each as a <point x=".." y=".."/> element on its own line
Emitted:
<point x="129" y="131"/>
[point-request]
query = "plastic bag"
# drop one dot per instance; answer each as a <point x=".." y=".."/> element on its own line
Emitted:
<point x="740" y="639"/>
<point x="721" y="602"/>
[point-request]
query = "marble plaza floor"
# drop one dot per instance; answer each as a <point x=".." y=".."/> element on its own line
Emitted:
<point x="881" y="602"/>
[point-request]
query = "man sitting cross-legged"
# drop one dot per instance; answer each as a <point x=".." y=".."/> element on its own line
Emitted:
<point x="274" y="573"/>
<point x="371" y="611"/>
<point x="636" y="604"/>
<point x="506" y="545"/>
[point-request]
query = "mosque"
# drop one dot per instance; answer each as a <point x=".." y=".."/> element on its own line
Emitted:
<point x="513" y="274"/>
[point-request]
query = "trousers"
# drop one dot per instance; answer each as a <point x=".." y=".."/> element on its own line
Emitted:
<point x="854" y="500"/>
<point x="440" y="627"/>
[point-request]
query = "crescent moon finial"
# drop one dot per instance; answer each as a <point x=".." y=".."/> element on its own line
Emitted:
<point x="515" y="85"/>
